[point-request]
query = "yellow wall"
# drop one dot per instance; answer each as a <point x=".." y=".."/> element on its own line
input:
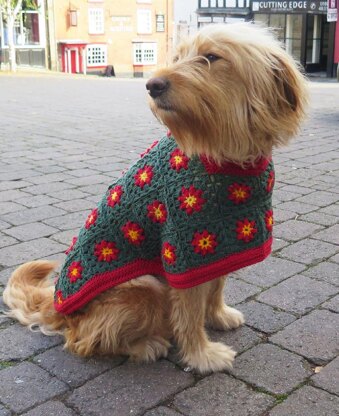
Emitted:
<point x="120" y="30"/>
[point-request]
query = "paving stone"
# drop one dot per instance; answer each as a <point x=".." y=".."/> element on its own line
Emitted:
<point x="18" y="343"/>
<point x="295" y="230"/>
<point x="297" y="189"/>
<point x="279" y="195"/>
<point x="237" y="291"/>
<point x="281" y="215"/>
<point x="278" y="244"/>
<point x="74" y="370"/>
<point x="6" y="241"/>
<point x="326" y="271"/>
<point x="308" y="251"/>
<point x="69" y="194"/>
<point x="10" y="207"/>
<point x="52" y="408"/>
<point x="272" y="368"/>
<point x="160" y="411"/>
<point x="30" y="215"/>
<point x="4" y="411"/>
<point x="30" y="250"/>
<point x="80" y="173"/>
<point x="36" y="200"/>
<point x="49" y="178"/>
<point x="335" y="258"/>
<point x="27" y="385"/>
<point x="75" y="205"/>
<point x="48" y="188"/>
<point x="31" y="231"/>
<point x="129" y="389"/>
<point x="264" y="317"/>
<point x="298" y="294"/>
<point x="12" y="195"/>
<point x="319" y="198"/>
<point x="4" y="225"/>
<point x="68" y="221"/>
<point x="308" y="401"/>
<point x="330" y="235"/>
<point x="5" y="274"/>
<point x="271" y="271"/>
<point x="332" y="305"/>
<point x="9" y="185"/>
<point x="314" y="336"/>
<point x="90" y="180"/>
<point x="220" y="395"/>
<point x="319" y="218"/>
<point x="298" y="207"/>
<point x="240" y="339"/>
<point x="328" y="377"/>
<point x="331" y="210"/>
<point x="65" y="237"/>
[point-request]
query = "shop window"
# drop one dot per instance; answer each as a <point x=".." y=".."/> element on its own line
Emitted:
<point x="96" y="55"/>
<point x="144" y="21"/>
<point x="145" y="53"/>
<point x="96" y="21"/>
<point x="313" y="39"/>
<point x="293" y="35"/>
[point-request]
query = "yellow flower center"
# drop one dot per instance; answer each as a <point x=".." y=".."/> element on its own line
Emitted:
<point x="168" y="253"/>
<point x="177" y="159"/>
<point x="114" y="196"/>
<point x="59" y="300"/>
<point x="158" y="213"/>
<point x="106" y="251"/>
<point x="133" y="234"/>
<point x="191" y="200"/>
<point x="239" y="193"/>
<point x="144" y="176"/>
<point x="247" y="229"/>
<point x="270" y="220"/>
<point x="75" y="272"/>
<point x="205" y="242"/>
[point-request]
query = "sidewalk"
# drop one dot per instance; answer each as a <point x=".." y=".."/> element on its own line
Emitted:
<point x="62" y="142"/>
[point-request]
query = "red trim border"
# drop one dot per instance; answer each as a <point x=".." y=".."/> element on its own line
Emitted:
<point x="232" y="169"/>
<point x="188" y="279"/>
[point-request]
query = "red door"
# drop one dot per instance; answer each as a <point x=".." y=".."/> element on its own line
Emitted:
<point x="73" y="62"/>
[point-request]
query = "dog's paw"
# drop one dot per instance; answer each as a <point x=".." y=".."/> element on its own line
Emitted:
<point x="149" y="349"/>
<point x="226" y="318"/>
<point x="214" y="357"/>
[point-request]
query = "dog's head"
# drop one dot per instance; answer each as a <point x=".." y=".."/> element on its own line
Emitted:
<point x="232" y="93"/>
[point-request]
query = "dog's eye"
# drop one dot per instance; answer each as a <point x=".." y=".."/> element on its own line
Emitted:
<point x="211" y="57"/>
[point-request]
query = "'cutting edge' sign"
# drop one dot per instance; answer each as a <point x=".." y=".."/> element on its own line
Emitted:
<point x="290" y="6"/>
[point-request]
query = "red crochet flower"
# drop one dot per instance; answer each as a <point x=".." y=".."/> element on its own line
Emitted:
<point x="149" y="148"/>
<point x="91" y="219"/>
<point x="75" y="271"/>
<point x="59" y="297"/>
<point x="144" y="176"/>
<point x="204" y="242"/>
<point x="133" y="232"/>
<point x="106" y="251"/>
<point x="191" y="200"/>
<point x="270" y="181"/>
<point x="239" y="193"/>
<point x="246" y="230"/>
<point x="114" y="196"/>
<point x="157" y="212"/>
<point x="70" y="248"/>
<point x="269" y="220"/>
<point x="178" y="160"/>
<point x="168" y="253"/>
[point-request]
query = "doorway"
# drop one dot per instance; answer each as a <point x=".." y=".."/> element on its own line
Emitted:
<point x="317" y="42"/>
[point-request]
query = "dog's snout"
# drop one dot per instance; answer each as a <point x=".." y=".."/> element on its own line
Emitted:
<point x="157" y="86"/>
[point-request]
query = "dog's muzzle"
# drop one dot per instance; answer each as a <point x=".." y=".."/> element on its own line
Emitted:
<point x="157" y="86"/>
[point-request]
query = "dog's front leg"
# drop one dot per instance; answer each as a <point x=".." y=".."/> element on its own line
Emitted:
<point x="188" y="313"/>
<point x="218" y="315"/>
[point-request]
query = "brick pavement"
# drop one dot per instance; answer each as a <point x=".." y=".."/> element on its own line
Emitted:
<point x="62" y="141"/>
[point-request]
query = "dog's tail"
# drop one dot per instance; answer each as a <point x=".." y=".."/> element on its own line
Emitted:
<point x="29" y="295"/>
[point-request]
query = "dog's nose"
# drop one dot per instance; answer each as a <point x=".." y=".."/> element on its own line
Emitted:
<point x="157" y="86"/>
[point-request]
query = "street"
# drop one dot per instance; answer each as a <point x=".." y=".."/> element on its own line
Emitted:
<point x="63" y="140"/>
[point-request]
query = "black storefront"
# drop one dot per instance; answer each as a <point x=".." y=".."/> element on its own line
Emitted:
<point x="303" y="27"/>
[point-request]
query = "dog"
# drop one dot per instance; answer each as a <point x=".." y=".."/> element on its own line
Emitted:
<point x="231" y="96"/>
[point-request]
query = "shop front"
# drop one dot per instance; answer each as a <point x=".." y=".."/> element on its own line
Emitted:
<point x="303" y="27"/>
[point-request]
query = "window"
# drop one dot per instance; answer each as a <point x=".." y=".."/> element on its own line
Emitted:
<point x="95" y="21"/>
<point x="144" y="18"/>
<point x="145" y="53"/>
<point x="96" y="55"/>
<point x="160" y="23"/>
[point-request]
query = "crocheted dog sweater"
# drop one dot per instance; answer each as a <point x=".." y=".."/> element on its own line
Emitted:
<point x="185" y="219"/>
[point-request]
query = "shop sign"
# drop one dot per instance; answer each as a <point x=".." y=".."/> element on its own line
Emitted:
<point x="121" y="24"/>
<point x="332" y="10"/>
<point x="290" y="6"/>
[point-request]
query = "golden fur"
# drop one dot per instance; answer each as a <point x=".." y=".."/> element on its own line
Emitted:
<point x="237" y="105"/>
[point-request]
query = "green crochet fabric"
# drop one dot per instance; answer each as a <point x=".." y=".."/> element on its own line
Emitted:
<point x="187" y="220"/>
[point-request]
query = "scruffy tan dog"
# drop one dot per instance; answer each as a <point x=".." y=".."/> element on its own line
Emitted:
<point x="231" y="95"/>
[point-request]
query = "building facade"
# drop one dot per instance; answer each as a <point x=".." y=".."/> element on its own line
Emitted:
<point x="134" y="37"/>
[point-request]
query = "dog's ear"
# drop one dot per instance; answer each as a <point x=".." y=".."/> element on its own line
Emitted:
<point x="288" y="79"/>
